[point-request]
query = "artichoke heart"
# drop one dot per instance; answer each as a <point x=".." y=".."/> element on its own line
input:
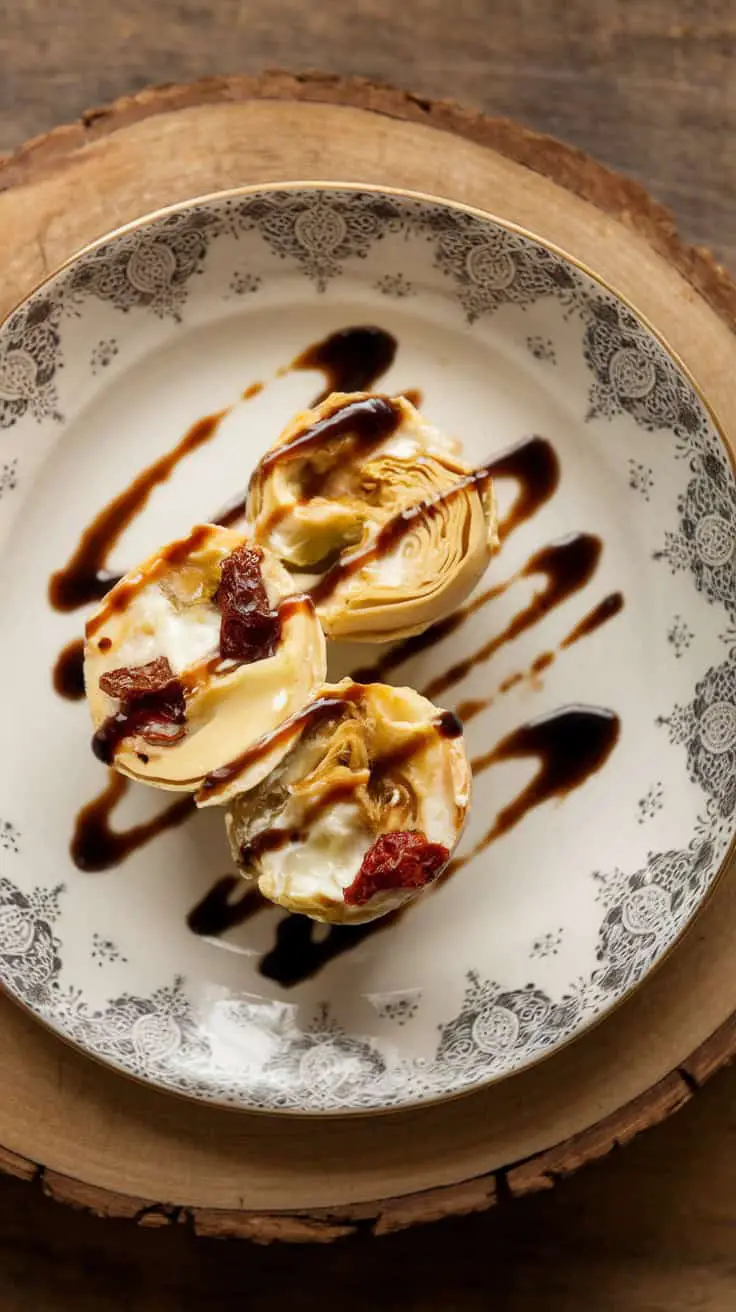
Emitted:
<point x="370" y="501"/>
<point x="199" y="650"/>
<point x="360" y="813"/>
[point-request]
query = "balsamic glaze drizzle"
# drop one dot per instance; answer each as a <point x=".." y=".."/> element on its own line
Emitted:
<point x="570" y="744"/>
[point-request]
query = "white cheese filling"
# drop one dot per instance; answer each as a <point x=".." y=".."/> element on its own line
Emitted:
<point x="326" y="863"/>
<point x="156" y="628"/>
<point x="328" y="858"/>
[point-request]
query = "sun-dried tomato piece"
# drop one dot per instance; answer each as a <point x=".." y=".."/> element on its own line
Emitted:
<point x="152" y="706"/>
<point x="405" y="859"/>
<point x="132" y="681"/>
<point x="249" y="628"/>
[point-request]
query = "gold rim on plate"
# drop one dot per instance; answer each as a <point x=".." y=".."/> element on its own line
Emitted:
<point x="487" y="216"/>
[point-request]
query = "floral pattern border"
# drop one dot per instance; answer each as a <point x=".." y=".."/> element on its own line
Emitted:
<point x="152" y="268"/>
<point x="321" y="1067"/>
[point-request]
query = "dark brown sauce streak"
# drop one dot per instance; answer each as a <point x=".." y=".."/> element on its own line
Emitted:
<point x="297" y="955"/>
<point x="231" y="512"/>
<point x="122" y="724"/>
<point x="570" y="744"/>
<point x="352" y="360"/>
<point x="322" y="708"/>
<point x="542" y="662"/>
<point x="366" y="423"/>
<point x="390" y="535"/>
<point x="68" y="671"/>
<point x="268" y="840"/>
<point x="472" y="706"/>
<point x="422" y="641"/>
<point x="511" y="681"/>
<point x="96" y="846"/>
<point x="599" y="615"/>
<point x="84" y="578"/>
<point x="567" y="566"/>
<point x="161" y="724"/>
<point x="446" y="725"/>
<point x="219" y="910"/>
<point x="606" y="609"/>
<point x="122" y="594"/>
<point x="532" y="464"/>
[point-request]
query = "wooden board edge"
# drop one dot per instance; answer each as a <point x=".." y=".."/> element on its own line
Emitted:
<point x="631" y="204"/>
<point x="570" y="167"/>
<point x="318" y="1226"/>
<point x="388" y="1215"/>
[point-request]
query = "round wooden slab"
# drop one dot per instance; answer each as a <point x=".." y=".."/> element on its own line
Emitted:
<point x="103" y="1142"/>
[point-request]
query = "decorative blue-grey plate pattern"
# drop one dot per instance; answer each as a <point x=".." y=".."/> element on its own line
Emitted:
<point x="595" y="668"/>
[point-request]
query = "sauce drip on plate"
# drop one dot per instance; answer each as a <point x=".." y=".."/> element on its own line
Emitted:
<point x="68" y="671"/>
<point x="352" y="359"/>
<point x="85" y="577"/>
<point x="97" y="846"/>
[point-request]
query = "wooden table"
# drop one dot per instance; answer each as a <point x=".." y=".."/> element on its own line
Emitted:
<point x="650" y="88"/>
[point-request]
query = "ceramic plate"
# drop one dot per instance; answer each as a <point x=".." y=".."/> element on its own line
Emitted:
<point x="594" y="667"/>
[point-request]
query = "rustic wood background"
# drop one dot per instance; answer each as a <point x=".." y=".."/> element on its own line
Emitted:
<point x="648" y="86"/>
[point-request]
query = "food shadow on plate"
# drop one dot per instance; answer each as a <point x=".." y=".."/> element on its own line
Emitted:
<point x="298" y="948"/>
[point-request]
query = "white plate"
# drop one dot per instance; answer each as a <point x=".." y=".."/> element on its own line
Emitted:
<point x="546" y="928"/>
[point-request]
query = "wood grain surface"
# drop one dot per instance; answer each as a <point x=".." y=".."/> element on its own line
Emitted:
<point x="650" y="88"/>
<point x="650" y="1229"/>
<point x="647" y="86"/>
